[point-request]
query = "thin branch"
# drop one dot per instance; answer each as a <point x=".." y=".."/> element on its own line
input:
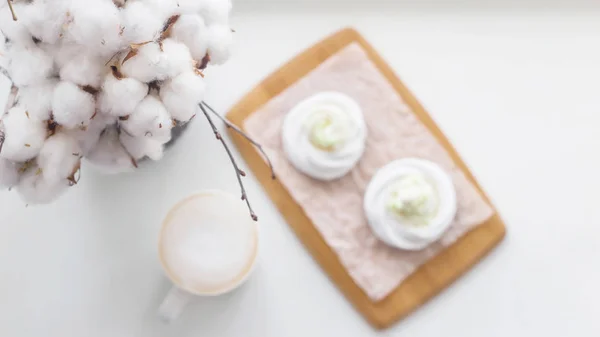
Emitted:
<point x="12" y="11"/>
<point x="243" y="134"/>
<point x="238" y="172"/>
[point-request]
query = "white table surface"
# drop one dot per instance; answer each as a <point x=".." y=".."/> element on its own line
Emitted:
<point x="515" y="88"/>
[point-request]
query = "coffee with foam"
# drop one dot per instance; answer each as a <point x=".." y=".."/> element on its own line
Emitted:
<point x="208" y="243"/>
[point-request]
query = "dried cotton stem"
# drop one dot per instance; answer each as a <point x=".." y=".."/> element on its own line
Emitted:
<point x="243" y="134"/>
<point x="12" y="10"/>
<point x="238" y="172"/>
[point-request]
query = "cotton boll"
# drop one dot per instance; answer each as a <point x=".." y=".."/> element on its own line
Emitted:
<point x="9" y="173"/>
<point x="88" y="138"/>
<point x="142" y="64"/>
<point x="220" y="39"/>
<point x="149" y="119"/>
<point x="104" y="120"/>
<point x="65" y="52"/>
<point x="181" y="95"/>
<point x="14" y="30"/>
<point x="45" y="19"/>
<point x="53" y="51"/>
<point x="179" y="57"/>
<point x="140" y="23"/>
<point x="72" y="107"/>
<point x="151" y="63"/>
<point x="80" y="66"/>
<point x="163" y="8"/>
<point x="191" y="6"/>
<point x="60" y="157"/>
<point x="216" y="12"/>
<point x="24" y="135"/>
<point x="140" y="147"/>
<point x="163" y="137"/>
<point x="29" y="64"/>
<point x="119" y="97"/>
<point x="191" y="30"/>
<point x="35" y="189"/>
<point x="37" y="99"/>
<point x="96" y="25"/>
<point x="109" y="155"/>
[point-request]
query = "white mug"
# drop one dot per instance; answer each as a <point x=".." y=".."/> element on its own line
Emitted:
<point x="208" y="246"/>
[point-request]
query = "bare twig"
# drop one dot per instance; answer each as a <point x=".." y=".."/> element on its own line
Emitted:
<point x="12" y="10"/>
<point x="238" y="172"/>
<point x="243" y="134"/>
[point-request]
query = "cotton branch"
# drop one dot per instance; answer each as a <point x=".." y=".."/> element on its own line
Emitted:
<point x="12" y="11"/>
<point x="239" y="173"/>
<point x="243" y="134"/>
<point x="109" y="112"/>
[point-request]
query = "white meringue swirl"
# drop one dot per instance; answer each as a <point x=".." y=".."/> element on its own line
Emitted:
<point x="324" y="135"/>
<point x="410" y="203"/>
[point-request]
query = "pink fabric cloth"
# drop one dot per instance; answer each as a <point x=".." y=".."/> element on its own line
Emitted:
<point x="335" y="208"/>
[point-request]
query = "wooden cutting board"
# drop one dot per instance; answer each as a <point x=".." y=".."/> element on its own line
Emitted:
<point x="425" y="282"/>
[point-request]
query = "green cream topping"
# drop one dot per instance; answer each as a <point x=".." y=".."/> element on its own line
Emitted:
<point x="413" y="199"/>
<point x="327" y="130"/>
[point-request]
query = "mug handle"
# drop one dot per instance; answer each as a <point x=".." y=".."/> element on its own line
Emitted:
<point x="174" y="303"/>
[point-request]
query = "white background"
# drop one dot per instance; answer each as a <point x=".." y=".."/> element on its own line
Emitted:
<point x="515" y="86"/>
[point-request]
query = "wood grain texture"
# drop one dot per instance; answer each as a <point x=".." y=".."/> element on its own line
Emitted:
<point x="427" y="281"/>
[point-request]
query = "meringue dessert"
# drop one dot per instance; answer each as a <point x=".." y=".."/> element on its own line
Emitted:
<point x="410" y="203"/>
<point x="324" y="135"/>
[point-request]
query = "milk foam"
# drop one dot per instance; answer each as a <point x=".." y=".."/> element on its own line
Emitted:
<point x="208" y="243"/>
